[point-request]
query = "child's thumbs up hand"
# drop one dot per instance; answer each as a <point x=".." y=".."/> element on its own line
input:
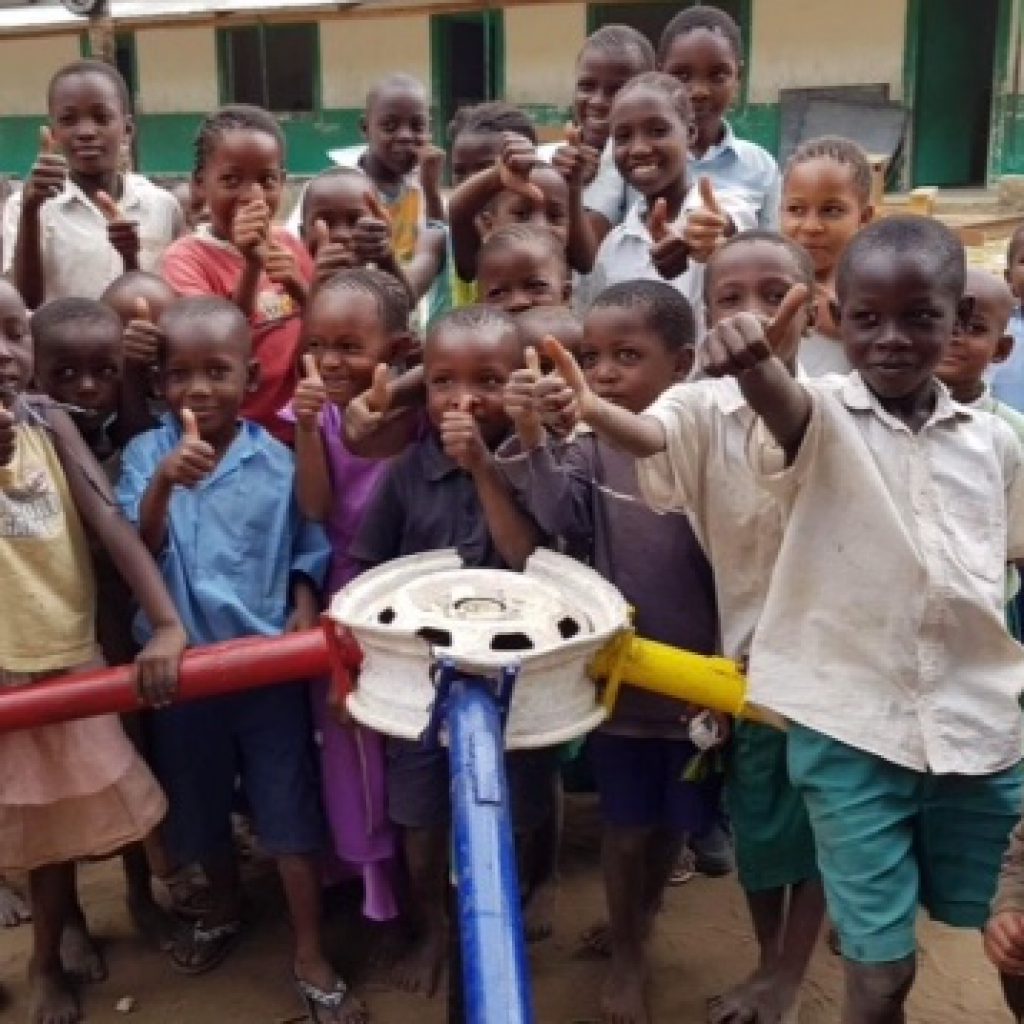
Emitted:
<point x="564" y="396"/>
<point x="122" y="233"/>
<point x="431" y="160"/>
<point x="49" y="173"/>
<point x="708" y="226"/>
<point x="282" y="268"/>
<point x="378" y="398"/>
<point x="142" y="338"/>
<point x="365" y="413"/>
<point x="371" y="239"/>
<point x="517" y="159"/>
<point x="461" y="438"/>
<point x="7" y="437"/>
<point x="670" y="253"/>
<point x="310" y="395"/>
<point x="576" y="161"/>
<point x="745" y="341"/>
<point x="521" y="404"/>
<point x="193" y="460"/>
<point x="250" y="228"/>
<point x="328" y="257"/>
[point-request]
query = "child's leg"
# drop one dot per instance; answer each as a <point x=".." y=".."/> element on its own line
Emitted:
<point x="148" y="917"/>
<point x="52" y="1000"/>
<point x="80" y="955"/>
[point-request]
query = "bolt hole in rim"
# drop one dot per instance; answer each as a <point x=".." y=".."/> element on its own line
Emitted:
<point x="550" y="620"/>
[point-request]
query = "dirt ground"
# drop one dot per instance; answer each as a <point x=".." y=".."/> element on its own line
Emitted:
<point x="703" y="943"/>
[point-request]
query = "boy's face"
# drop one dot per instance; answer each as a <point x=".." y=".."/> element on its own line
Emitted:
<point x="705" y="64"/>
<point x="625" y="360"/>
<point x="396" y="126"/>
<point x="344" y="333"/>
<point x="83" y="366"/>
<point x="979" y="341"/>
<point x="16" y="359"/>
<point x="650" y="141"/>
<point x="754" y="277"/>
<point x="339" y="200"/>
<point x="822" y="210"/>
<point x="88" y="122"/>
<point x="896" y="321"/>
<point x="514" y="208"/>
<point x="461" y="364"/>
<point x="599" y="77"/>
<point x="473" y="152"/>
<point x="518" y="277"/>
<point x="244" y="166"/>
<point x="207" y="368"/>
<point x="1015" y="271"/>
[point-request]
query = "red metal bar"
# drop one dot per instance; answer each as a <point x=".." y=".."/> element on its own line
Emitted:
<point x="205" y="672"/>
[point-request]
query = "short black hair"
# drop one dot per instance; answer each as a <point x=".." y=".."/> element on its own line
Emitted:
<point x="658" y="81"/>
<point x="908" y="234"/>
<point x="540" y="320"/>
<point x="234" y="117"/>
<point x="326" y="175"/>
<point x="800" y="255"/>
<point x="512" y="236"/>
<point x="1013" y="248"/>
<point x="60" y="316"/>
<point x="615" y="40"/>
<point x="844" y="152"/>
<point x="92" y="67"/>
<point x="666" y="310"/>
<point x="390" y="295"/>
<point x="710" y="19"/>
<point x="195" y="308"/>
<point x="493" y="118"/>
<point x="126" y="285"/>
<point x="394" y="80"/>
<point x="472" y="318"/>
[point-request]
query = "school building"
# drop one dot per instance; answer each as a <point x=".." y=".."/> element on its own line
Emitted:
<point x="936" y="82"/>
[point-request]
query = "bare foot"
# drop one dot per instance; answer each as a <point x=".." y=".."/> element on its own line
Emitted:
<point x="539" y="912"/>
<point x="764" y="998"/>
<point x="79" y="954"/>
<point x="624" y="995"/>
<point x="597" y="939"/>
<point x="387" y="943"/>
<point x="418" y="970"/>
<point x="51" y="999"/>
<point x="13" y="908"/>
<point x="151" y="921"/>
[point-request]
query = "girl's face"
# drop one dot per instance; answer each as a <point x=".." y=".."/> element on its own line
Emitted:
<point x="345" y="335"/>
<point x="710" y="72"/>
<point x="822" y="210"/>
<point x="244" y="165"/>
<point x="599" y="77"/>
<point x="650" y="141"/>
<point x="16" y="363"/>
<point x="89" y="123"/>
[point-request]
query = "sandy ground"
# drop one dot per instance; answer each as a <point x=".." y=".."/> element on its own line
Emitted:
<point x="702" y="944"/>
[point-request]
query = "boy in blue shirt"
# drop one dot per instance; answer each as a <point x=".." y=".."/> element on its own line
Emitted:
<point x="213" y="497"/>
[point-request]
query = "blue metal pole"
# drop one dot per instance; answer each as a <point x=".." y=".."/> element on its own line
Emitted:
<point x="495" y="975"/>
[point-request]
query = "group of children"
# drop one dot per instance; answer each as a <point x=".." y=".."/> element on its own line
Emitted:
<point x="644" y="346"/>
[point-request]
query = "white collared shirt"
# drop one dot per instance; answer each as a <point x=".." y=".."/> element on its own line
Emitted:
<point x="78" y="259"/>
<point x="883" y="625"/>
<point x="705" y="472"/>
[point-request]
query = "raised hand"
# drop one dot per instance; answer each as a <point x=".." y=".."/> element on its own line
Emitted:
<point x="363" y="415"/>
<point x="49" y="173"/>
<point x="670" y="252"/>
<point x="707" y="227"/>
<point x="431" y="159"/>
<point x="516" y="160"/>
<point x="142" y="338"/>
<point x="521" y="405"/>
<point x="565" y="396"/>
<point x="742" y="342"/>
<point x="461" y="438"/>
<point x="250" y="229"/>
<point x="122" y="233"/>
<point x="371" y="240"/>
<point x="193" y="460"/>
<point x="310" y="395"/>
<point x="281" y="266"/>
<point x="576" y="161"/>
<point x="328" y="257"/>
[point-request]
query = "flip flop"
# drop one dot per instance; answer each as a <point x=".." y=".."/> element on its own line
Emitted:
<point x="199" y="949"/>
<point x="316" y="999"/>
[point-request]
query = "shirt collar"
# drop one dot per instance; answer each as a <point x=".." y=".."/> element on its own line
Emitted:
<point x="728" y="143"/>
<point x="435" y="463"/>
<point x="858" y="397"/>
<point x="633" y="224"/>
<point x="73" y="194"/>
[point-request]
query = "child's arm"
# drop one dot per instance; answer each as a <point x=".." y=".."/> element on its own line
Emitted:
<point x="514" y="534"/>
<point x="123" y="234"/>
<point x="250" y="234"/>
<point x="45" y="181"/>
<point x="742" y="347"/>
<point x="312" y="478"/>
<point x="190" y="463"/>
<point x="577" y="163"/>
<point x="431" y="168"/>
<point x="157" y="663"/>
<point x="141" y="346"/>
<point x="305" y="605"/>
<point x="372" y="245"/>
<point x="426" y="263"/>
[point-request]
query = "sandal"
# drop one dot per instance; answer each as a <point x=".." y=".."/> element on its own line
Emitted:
<point x="316" y="999"/>
<point x="199" y="949"/>
<point x="188" y="893"/>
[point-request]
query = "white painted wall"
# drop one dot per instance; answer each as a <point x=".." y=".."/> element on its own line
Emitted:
<point x="541" y="43"/>
<point x="177" y="70"/>
<point x="802" y="43"/>
<point x="355" y="52"/>
<point x="26" y="66"/>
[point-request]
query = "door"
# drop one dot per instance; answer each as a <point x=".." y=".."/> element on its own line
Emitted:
<point x="467" y="62"/>
<point x="952" y="95"/>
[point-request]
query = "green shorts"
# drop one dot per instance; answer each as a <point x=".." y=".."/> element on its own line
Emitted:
<point x="890" y="838"/>
<point x="774" y="842"/>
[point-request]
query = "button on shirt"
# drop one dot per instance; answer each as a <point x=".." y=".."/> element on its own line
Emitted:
<point x="78" y="259"/>
<point x="747" y="171"/>
<point x="235" y="542"/>
<point x="883" y="625"/>
<point x="704" y="471"/>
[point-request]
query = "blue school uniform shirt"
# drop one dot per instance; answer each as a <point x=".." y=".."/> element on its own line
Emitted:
<point x="1007" y="379"/>
<point x="744" y="169"/>
<point x="235" y="542"/>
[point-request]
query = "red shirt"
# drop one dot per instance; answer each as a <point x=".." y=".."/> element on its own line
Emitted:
<point x="203" y="265"/>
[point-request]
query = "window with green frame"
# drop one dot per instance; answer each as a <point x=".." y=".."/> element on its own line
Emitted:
<point x="272" y="66"/>
<point x="651" y="18"/>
